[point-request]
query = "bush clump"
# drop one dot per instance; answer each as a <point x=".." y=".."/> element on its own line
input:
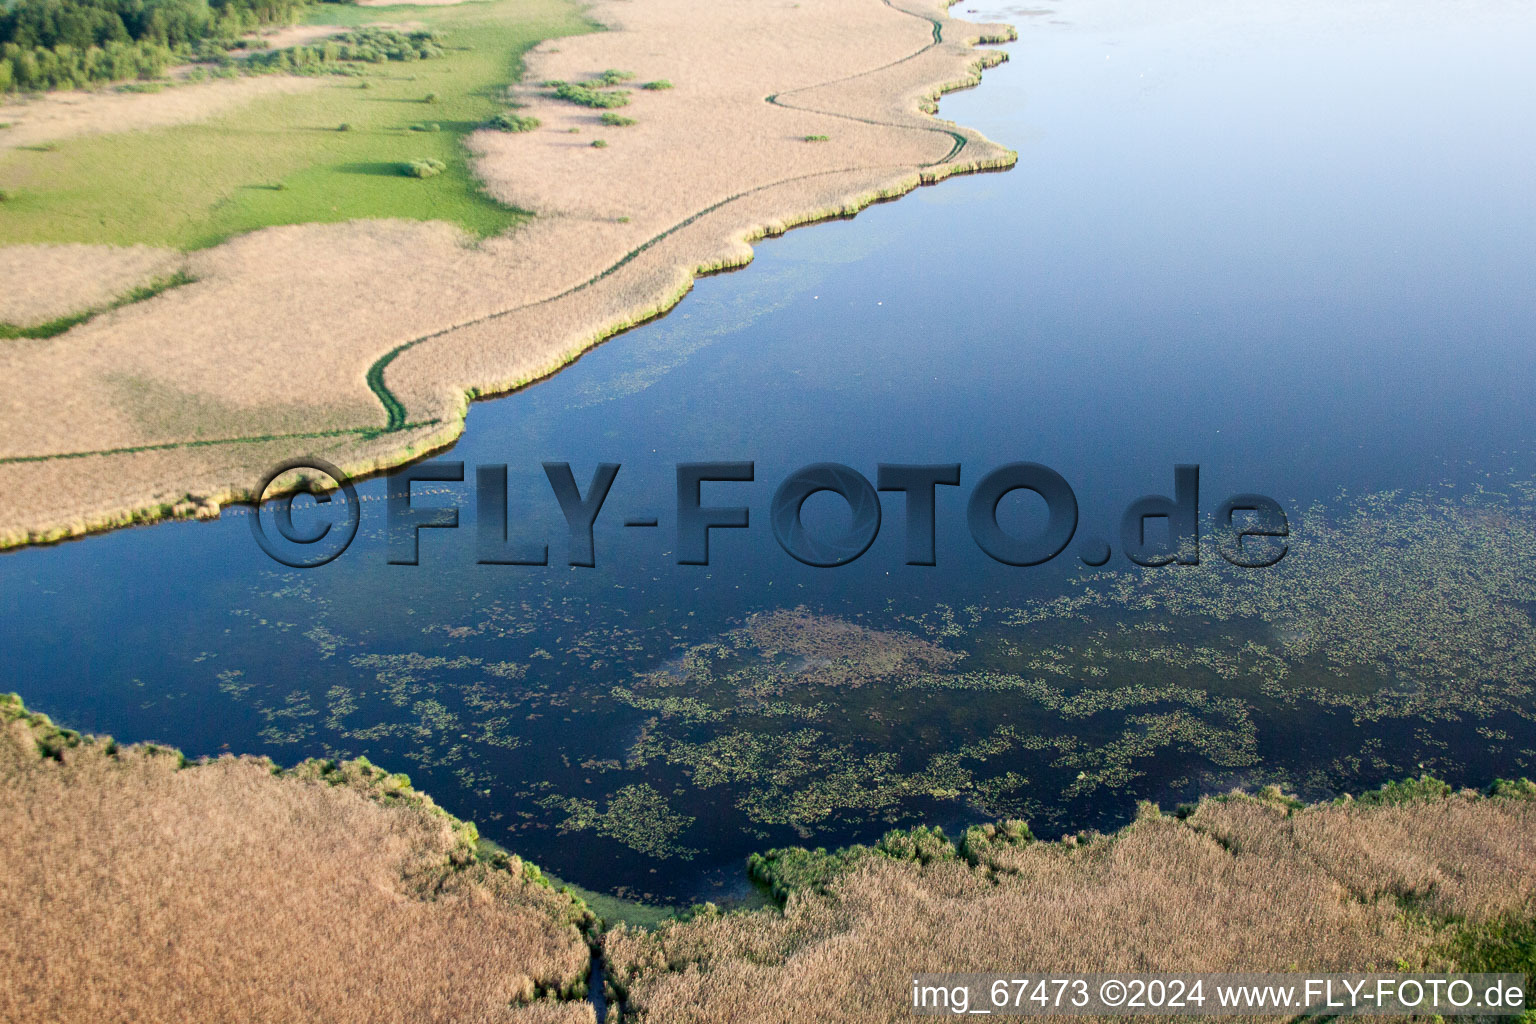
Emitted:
<point x="425" y="168"/>
<point x="429" y="126"/>
<point x="796" y="869"/>
<point x="656" y="86"/>
<point x="599" y="144"/>
<point x="817" y="138"/>
<point x="590" y="97"/>
<point x="509" y="122"/>
<point x="1407" y="791"/>
<point x="617" y="120"/>
<point x="923" y="844"/>
<point x="613" y="76"/>
<point x="340" y="53"/>
<point x="1523" y="789"/>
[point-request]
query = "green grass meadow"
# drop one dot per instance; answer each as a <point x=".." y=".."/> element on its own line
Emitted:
<point x="282" y="159"/>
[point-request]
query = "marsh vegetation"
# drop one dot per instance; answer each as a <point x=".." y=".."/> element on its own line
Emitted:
<point x="588" y="96"/>
<point x="1394" y="638"/>
<point x="1419" y="880"/>
<point x="230" y="889"/>
<point x="190" y="186"/>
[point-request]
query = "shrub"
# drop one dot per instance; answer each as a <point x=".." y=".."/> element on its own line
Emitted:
<point x="5" y="196"/>
<point x="339" y="54"/>
<point x="425" y="168"/>
<point x="817" y="138"/>
<point x="508" y="122"/>
<point x="796" y="869"/>
<point x="599" y="144"/>
<point x="613" y="76"/>
<point x="659" y="84"/>
<point x="617" y="120"/>
<point x="430" y="126"/>
<point x="923" y="844"/>
<point x="1407" y="791"/>
<point x="431" y="97"/>
<point x="1522" y="788"/>
<point x="1507" y="943"/>
<point x="589" y="97"/>
<point x="344" y="127"/>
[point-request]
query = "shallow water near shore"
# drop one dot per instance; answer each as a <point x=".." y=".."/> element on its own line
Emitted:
<point x="1289" y="243"/>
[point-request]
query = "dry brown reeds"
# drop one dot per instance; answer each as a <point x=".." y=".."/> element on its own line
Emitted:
<point x="1241" y="884"/>
<point x="134" y="887"/>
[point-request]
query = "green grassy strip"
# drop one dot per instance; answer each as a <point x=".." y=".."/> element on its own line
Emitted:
<point x="1504" y="945"/>
<point x="54" y="328"/>
<point x="367" y="433"/>
<point x="394" y="409"/>
<point x="938" y="38"/>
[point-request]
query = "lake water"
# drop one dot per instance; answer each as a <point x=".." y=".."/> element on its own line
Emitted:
<point x="1291" y="243"/>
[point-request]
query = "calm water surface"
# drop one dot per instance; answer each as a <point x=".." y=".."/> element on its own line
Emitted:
<point x="1293" y="243"/>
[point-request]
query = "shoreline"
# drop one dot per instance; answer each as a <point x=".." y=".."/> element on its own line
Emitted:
<point x="365" y="451"/>
<point x="1447" y="902"/>
<point x="778" y="871"/>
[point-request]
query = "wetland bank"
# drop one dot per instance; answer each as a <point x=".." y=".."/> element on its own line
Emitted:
<point x="642" y="727"/>
<point x="367" y="256"/>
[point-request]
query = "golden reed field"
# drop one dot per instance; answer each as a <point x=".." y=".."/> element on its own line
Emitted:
<point x="140" y="887"/>
<point x="179" y="403"/>
<point x="135" y="887"/>
<point x="1241" y="884"/>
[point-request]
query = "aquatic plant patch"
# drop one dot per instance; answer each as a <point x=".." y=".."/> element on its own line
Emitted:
<point x="797" y="725"/>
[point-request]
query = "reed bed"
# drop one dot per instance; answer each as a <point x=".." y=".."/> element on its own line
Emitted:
<point x="279" y="331"/>
<point x="1241" y="884"/>
<point x="134" y="886"/>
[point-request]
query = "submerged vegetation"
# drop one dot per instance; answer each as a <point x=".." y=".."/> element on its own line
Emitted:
<point x="1397" y="631"/>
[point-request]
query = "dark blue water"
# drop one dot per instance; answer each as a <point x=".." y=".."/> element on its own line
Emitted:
<point x="1292" y="244"/>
